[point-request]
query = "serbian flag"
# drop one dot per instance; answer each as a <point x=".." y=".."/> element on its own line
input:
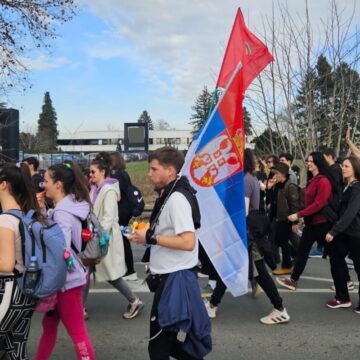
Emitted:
<point x="245" y="48"/>
<point x="214" y="167"/>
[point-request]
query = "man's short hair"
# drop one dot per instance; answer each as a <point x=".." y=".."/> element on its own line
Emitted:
<point x="287" y="156"/>
<point x="32" y="160"/>
<point x="168" y="156"/>
<point x="329" y="152"/>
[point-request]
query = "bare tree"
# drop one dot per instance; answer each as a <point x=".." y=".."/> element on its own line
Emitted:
<point x="25" y="25"/>
<point x="275" y="98"/>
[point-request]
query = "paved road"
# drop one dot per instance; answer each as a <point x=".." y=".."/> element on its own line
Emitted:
<point x="314" y="331"/>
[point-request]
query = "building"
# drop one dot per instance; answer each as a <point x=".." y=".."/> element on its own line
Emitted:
<point x="95" y="141"/>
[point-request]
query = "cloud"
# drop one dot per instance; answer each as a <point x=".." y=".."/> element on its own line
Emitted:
<point x="179" y="44"/>
<point x="44" y="62"/>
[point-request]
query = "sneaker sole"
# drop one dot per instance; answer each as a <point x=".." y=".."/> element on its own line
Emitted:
<point x="283" y="321"/>
<point x="292" y="288"/>
<point x="356" y="311"/>
<point x="135" y="313"/>
<point x="339" y="306"/>
<point x="315" y="256"/>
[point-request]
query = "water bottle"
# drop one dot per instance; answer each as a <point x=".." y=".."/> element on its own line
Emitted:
<point x="70" y="262"/>
<point x="31" y="276"/>
<point x="103" y="243"/>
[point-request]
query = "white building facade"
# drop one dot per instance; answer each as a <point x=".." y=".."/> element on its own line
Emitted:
<point x="95" y="141"/>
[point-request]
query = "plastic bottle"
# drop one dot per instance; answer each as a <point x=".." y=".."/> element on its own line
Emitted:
<point x="70" y="263"/>
<point x="31" y="276"/>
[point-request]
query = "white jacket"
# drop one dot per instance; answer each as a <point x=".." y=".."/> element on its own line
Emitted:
<point x="113" y="265"/>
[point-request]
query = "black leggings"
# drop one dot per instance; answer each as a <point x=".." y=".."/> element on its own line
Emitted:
<point x="282" y="235"/>
<point x="16" y="311"/>
<point x="338" y="249"/>
<point x="310" y="234"/>
<point x="129" y="259"/>
<point x="263" y="279"/>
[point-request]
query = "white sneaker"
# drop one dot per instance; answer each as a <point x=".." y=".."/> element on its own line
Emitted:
<point x="350" y="286"/>
<point x="276" y="317"/>
<point x="133" y="309"/>
<point x="131" y="277"/>
<point x="210" y="310"/>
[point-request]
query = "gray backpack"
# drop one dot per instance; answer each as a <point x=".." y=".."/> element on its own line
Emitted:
<point x="96" y="248"/>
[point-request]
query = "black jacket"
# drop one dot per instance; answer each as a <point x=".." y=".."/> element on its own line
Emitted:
<point x="286" y="200"/>
<point x="124" y="207"/>
<point x="349" y="221"/>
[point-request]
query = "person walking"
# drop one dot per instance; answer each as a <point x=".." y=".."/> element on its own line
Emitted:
<point x="118" y="172"/>
<point x="16" y="192"/>
<point x="105" y="194"/>
<point x="173" y="245"/>
<point x="318" y="193"/>
<point x="65" y="185"/>
<point x="257" y="264"/>
<point x="285" y="202"/>
<point x="344" y="236"/>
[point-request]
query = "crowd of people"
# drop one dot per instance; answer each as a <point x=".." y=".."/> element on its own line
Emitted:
<point x="286" y="223"/>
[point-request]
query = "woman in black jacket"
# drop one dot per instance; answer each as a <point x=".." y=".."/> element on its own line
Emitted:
<point x="118" y="172"/>
<point x="344" y="237"/>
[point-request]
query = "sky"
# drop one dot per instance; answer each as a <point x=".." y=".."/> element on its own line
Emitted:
<point x="116" y="58"/>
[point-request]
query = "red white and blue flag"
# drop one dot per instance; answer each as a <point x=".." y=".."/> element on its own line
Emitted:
<point x="214" y="162"/>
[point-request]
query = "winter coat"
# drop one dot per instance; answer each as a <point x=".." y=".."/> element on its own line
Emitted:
<point x="113" y="265"/>
<point x="349" y="222"/>
<point x="287" y="200"/>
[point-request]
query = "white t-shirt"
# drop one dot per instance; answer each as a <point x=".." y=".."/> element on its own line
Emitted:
<point x="12" y="223"/>
<point x="175" y="218"/>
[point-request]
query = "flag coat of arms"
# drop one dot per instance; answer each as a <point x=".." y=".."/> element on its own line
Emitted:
<point x="214" y="162"/>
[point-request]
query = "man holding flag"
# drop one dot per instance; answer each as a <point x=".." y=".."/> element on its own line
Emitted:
<point x="215" y="166"/>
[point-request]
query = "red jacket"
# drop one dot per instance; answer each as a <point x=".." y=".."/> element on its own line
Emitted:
<point x="317" y="195"/>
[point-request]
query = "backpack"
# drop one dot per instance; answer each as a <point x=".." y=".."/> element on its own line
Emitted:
<point x="95" y="247"/>
<point x="45" y="241"/>
<point x="135" y="199"/>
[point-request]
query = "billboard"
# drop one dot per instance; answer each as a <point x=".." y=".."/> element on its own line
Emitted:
<point x="136" y="137"/>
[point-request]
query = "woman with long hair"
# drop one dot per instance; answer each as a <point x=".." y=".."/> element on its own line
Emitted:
<point x="105" y="194"/>
<point x="318" y="193"/>
<point x="66" y="186"/>
<point x="16" y="192"/>
<point x="118" y="172"/>
<point x="344" y="236"/>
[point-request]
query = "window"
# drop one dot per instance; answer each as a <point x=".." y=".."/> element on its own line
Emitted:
<point x="151" y="141"/>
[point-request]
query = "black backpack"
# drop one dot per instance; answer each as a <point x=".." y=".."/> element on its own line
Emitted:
<point x="135" y="199"/>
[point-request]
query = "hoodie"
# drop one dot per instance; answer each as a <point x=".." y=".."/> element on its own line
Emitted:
<point x="68" y="214"/>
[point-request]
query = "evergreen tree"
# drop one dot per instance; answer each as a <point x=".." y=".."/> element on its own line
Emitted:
<point x="145" y="118"/>
<point x="47" y="126"/>
<point x="247" y="122"/>
<point x="201" y="109"/>
<point x="263" y="144"/>
<point x="327" y="103"/>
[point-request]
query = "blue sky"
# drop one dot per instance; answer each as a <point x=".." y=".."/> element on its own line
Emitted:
<point x="117" y="58"/>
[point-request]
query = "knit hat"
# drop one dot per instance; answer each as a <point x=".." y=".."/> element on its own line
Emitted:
<point x="281" y="167"/>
